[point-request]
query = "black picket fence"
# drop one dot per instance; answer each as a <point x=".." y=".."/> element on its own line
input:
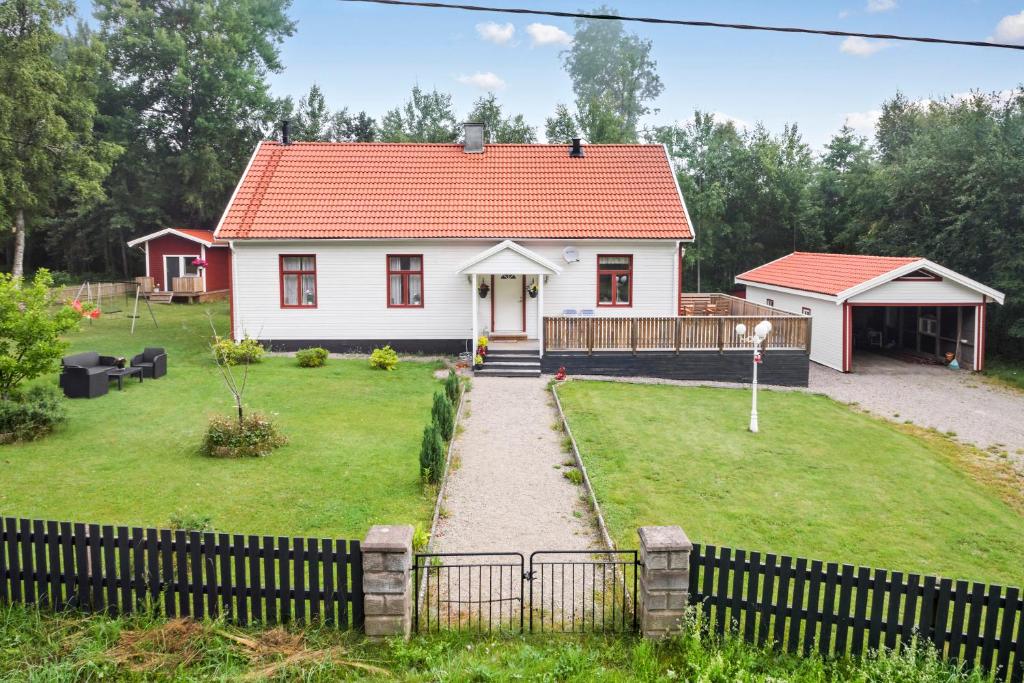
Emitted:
<point x="119" y="570"/>
<point x="842" y="610"/>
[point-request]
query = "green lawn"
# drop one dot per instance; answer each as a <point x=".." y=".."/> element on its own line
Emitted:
<point x="1006" y="371"/>
<point x="820" y="480"/>
<point x="131" y="457"/>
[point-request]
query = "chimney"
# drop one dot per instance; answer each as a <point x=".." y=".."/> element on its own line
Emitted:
<point x="577" y="149"/>
<point x="473" y="138"/>
<point x="284" y="133"/>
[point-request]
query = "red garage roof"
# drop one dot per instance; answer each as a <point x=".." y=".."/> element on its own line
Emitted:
<point x="824" y="273"/>
<point x="391" y="190"/>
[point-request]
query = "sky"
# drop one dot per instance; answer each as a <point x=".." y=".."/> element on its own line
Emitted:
<point x="368" y="57"/>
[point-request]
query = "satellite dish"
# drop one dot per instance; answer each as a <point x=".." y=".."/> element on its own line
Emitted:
<point x="571" y="254"/>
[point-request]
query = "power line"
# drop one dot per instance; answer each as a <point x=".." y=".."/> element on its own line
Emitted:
<point x="691" y="22"/>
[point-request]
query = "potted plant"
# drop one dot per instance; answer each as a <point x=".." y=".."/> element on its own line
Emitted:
<point x="481" y="346"/>
<point x="478" y="362"/>
<point x="483" y="289"/>
<point x="532" y="289"/>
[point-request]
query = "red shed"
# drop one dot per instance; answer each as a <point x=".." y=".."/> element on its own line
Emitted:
<point x="171" y="261"/>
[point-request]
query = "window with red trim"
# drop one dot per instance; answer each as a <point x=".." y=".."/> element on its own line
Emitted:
<point x="405" y="281"/>
<point x="614" y="280"/>
<point x="298" y="281"/>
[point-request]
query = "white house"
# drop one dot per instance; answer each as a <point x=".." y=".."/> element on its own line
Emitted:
<point x="899" y="305"/>
<point x="426" y="246"/>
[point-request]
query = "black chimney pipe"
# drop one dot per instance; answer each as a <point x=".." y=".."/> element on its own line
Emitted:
<point x="284" y="133"/>
<point x="577" y="149"/>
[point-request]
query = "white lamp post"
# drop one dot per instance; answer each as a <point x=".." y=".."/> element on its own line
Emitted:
<point x="761" y="332"/>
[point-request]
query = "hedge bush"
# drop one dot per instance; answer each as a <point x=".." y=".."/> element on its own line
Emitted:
<point x="443" y="415"/>
<point x="312" y="358"/>
<point x="255" y="437"/>
<point x="233" y="353"/>
<point x="31" y="414"/>
<point x="452" y="388"/>
<point x="384" y="359"/>
<point x="432" y="454"/>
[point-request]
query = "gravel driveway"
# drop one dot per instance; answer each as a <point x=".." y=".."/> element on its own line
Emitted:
<point x="977" y="411"/>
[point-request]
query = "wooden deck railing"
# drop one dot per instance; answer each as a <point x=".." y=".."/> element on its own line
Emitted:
<point x="671" y="333"/>
<point x="715" y="303"/>
<point x="187" y="285"/>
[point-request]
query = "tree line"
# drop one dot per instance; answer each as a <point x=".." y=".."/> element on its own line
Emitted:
<point x="147" y="120"/>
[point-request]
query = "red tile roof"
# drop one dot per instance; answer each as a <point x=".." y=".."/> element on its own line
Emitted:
<point x="391" y="190"/>
<point x="824" y="273"/>
<point x="204" y="235"/>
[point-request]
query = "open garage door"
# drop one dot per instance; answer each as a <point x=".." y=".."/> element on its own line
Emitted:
<point x="924" y="334"/>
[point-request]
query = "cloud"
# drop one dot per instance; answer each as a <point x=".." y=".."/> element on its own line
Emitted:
<point x="500" y="34"/>
<point x="863" y="122"/>
<point x="843" y="14"/>
<point x="485" y="80"/>
<point x="546" y="34"/>
<point x="1010" y="29"/>
<point x="861" y="47"/>
<point x="881" y="5"/>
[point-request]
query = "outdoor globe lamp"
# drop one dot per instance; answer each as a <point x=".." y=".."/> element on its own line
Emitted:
<point x="761" y="332"/>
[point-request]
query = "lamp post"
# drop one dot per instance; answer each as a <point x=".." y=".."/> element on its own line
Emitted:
<point x="761" y="332"/>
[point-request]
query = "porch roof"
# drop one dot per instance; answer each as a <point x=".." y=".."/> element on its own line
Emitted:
<point x="509" y="257"/>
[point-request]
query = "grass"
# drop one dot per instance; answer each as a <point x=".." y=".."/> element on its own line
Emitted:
<point x="132" y="457"/>
<point x="820" y="480"/>
<point x="1005" y="371"/>
<point x="37" y="646"/>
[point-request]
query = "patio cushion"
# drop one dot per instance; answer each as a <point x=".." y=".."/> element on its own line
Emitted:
<point x="150" y="353"/>
<point x="86" y="359"/>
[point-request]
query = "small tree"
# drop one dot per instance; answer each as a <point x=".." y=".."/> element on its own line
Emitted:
<point x="444" y="416"/>
<point x="236" y="388"/>
<point x="451" y="387"/>
<point x="432" y="454"/>
<point x="31" y="324"/>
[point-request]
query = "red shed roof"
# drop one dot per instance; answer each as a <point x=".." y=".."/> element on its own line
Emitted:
<point x="397" y="190"/>
<point x="194" y="234"/>
<point x="824" y="273"/>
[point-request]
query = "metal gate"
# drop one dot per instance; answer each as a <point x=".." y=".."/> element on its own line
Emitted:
<point x="567" y="591"/>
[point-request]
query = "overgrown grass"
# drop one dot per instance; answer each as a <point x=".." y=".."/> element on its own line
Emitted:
<point x="132" y="457"/>
<point x="39" y="646"/>
<point x="1006" y="371"/>
<point x="820" y="480"/>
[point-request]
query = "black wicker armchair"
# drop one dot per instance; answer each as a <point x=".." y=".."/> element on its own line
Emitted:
<point x="84" y="375"/>
<point x="153" y="362"/>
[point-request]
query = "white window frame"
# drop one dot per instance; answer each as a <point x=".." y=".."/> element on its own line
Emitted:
<point x="181" y="268"/>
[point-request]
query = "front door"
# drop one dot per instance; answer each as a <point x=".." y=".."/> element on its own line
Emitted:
<point x="508" y="303"/>
<point x="172" y="269"/>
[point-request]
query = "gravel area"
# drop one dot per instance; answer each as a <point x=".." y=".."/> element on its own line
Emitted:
<point x="975" y="410"/>
<point x="508" y="491"/>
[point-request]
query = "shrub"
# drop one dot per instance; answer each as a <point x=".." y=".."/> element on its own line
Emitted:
<point x="384" y="359"/>
<point x="31" y="414"/>
<point x="190" y="521"/>
<point x="432" y="454"/>
<point x="420" y="538"/>
<point x="234" y="353"/>
<point x="312" y="358"/>
<point x="444" y="416"/>
<point x="452" y="388"/>
<point x="252" y="437"/>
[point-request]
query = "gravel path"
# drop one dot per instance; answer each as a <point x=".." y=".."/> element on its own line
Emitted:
<point x="508" y="491"/>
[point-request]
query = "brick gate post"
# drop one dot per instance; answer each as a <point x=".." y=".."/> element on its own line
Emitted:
<point x="387" y="599"/>
<point x="664" y="579"/>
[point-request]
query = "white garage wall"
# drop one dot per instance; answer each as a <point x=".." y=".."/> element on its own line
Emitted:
<point x="918" y="292"/>
<point x="826" y="322"/>
<point x="352" y="288"/>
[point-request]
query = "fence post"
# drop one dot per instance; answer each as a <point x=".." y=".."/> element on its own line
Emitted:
<point x="387" y="560"/>
<point x="721" y="335"/>
<point x="664" y="579"/>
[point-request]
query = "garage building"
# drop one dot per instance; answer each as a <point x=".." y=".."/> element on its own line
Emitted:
<point x="902" y="306"/>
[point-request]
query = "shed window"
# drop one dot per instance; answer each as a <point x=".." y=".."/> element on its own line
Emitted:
<point x="298" y="281"/>
<point x="405" y="281"/>
<point x="615" y="280"/>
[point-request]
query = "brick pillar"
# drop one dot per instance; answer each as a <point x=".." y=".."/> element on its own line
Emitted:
<point x="664" y="579"/>
<point x="387" y="600"/>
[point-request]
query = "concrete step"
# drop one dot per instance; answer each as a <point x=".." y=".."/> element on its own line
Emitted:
<point x="503" y="355"/>
<point x="489" y="363"/>
<point x="507" y="372"/>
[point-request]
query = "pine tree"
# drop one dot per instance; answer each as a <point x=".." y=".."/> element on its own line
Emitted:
<point x="443" y="415"/>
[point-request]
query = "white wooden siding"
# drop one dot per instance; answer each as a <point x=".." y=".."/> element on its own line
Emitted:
<point x="352" y="288"/>
<point x="826" y="322"/>
<point x="918" y="292"/>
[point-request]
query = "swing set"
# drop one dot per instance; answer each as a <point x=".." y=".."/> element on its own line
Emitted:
<point x="103" y="299"/>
